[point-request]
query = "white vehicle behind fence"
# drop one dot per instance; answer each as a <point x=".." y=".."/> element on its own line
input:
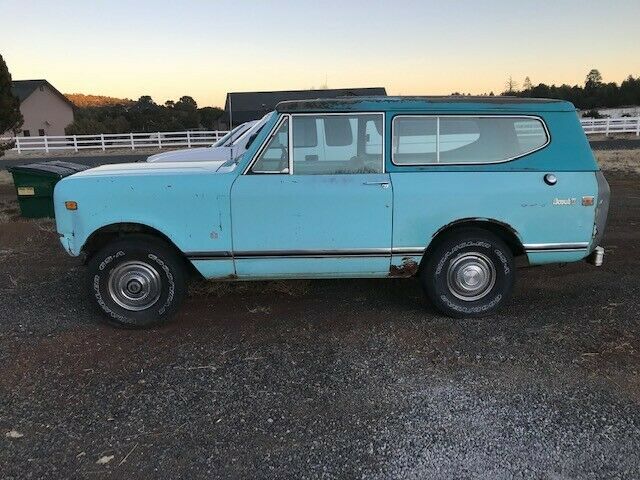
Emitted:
<point x="231" y="145"/>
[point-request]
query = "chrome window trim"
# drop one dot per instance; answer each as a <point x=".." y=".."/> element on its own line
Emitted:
<point x="272" y="132"/>
<point x="437" y="117"/>
<point x="352" y="114"/>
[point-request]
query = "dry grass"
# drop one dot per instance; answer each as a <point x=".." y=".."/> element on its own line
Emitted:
<point x="621" y="160"/>
<point x="5" y="178"/>
<point x="8" y="210"/>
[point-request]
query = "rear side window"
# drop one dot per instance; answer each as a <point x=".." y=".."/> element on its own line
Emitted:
<point x="421" y="140"/>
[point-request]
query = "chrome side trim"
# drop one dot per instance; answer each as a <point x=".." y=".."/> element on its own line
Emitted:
<point x="209" y="255"/>
<point x="408" y="250"/>
<point x="543" y="247"/>
<point x="341" y="253"/>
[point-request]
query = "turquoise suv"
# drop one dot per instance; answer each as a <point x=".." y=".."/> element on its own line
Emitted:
<point x="446" y="189"/>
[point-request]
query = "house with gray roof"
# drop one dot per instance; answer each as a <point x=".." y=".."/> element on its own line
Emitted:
<point x="46" y="111"/>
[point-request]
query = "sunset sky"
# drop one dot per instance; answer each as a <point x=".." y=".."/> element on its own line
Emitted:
<point x="167" y="49"/>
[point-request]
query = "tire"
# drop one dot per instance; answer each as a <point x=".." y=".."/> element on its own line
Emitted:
<point x="138" y="281"/>
<point x="471" y="273"/>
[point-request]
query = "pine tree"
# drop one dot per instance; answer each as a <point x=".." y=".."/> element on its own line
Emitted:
<point x="10" y="116"/>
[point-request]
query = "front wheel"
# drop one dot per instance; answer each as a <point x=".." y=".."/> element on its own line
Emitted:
<point x="137" y="281"/>
<point x="471" y="273"/>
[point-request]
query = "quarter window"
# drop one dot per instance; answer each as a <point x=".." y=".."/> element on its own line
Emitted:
<point x="337" y="144"/>
<point x="464" y="139"/>
<point x="275" y="156"/>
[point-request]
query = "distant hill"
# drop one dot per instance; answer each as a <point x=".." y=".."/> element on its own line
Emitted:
<point x="81" y="100"/>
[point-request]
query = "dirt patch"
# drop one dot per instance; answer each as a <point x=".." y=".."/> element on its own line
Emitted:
<point x="222" y="289"/>
<point x="621" y="160"/>
<point x="9" y="209"/>
<point x="6" y="178"/>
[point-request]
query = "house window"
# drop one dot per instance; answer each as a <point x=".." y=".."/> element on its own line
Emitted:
<point x="26" y="133"/>
<point x="41" y="132"/>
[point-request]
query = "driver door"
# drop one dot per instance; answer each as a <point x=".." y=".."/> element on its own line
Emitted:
<point x="316" y="201"/>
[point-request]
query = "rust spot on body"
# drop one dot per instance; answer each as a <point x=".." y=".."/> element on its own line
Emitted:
<point x="408" y="268"/>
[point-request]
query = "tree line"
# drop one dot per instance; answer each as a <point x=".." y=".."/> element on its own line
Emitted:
<point x="593" y="94"/>
<point x="144" y="115"/>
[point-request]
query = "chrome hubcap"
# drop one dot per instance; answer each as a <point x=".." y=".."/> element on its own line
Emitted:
<point x="471" y="276"/>
<point x="135" y="285"/>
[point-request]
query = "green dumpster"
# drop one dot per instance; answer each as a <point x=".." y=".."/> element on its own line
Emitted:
<point x="34" y="185"/>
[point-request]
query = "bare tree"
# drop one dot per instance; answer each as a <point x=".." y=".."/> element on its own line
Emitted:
<point x="511" y="85"/>
<point x="527" y="83"/>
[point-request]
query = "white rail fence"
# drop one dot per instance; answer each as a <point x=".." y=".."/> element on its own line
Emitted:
<point x="104" y="141"/>
<point x="608" y="126"/>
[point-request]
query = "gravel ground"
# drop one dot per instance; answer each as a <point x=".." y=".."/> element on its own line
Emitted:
<point x="323" y="379"/>
<point x="627" y="142"/>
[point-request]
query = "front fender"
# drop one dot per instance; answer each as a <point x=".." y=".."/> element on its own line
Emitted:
<point x="193" y="211"/>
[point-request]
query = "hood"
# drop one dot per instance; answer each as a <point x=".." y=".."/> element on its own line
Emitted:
<point x="142" y="168"/>
<point x="202" y="154"/>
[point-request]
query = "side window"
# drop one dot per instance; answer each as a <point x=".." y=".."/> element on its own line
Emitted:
<point x="307" y="135"/>
<point x="457" y="137"/>
<point x="530" y="133"/>
<point x="414" y="140"/>
<point x="373" y="136"/>
<point x="274" y="158"/>
<point x="337" y="144"/>
<point x="465" y="139"/>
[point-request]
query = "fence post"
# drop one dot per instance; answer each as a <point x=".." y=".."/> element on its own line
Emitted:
<point x="75" y="143"/>
<point x="607" y="129"/>
<point x="18" y="144"/>
<point x="159" y="141"/>
<point x="133" y="145"/>
<point x="188" y="139"/>
<point x="46" y="144"/>
<point x="102" y="141"/>
<point x="637" y="126"/>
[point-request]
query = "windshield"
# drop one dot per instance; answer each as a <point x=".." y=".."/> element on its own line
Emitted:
<point x="235" y="132"/>
<point x="253" y="132"/>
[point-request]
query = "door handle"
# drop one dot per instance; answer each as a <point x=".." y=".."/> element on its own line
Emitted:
<point x="383" y="183"/>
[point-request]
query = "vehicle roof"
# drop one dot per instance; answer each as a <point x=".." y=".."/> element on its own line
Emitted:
<point x="451" y="103"/>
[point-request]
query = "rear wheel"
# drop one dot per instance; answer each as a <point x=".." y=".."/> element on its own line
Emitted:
<point x="470" y="273"/>
<point x="138" y="281"/>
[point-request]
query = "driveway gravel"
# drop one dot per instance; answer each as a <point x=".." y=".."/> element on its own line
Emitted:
<point x="323" y="379"/>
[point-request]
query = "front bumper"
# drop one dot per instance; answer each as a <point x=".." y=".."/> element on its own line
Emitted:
<point x="596" y="257"/>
